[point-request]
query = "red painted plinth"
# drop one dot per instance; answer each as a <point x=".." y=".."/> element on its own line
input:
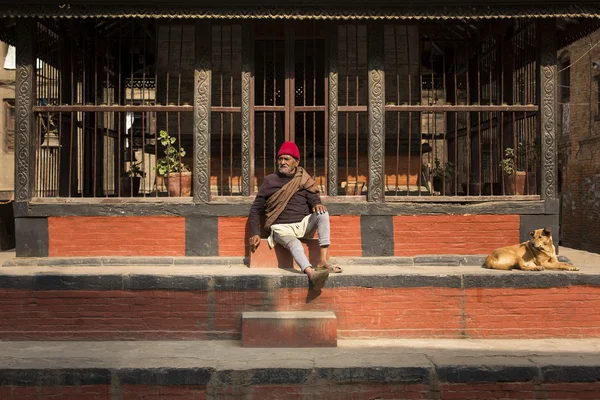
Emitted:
<point x="289" y="329"/>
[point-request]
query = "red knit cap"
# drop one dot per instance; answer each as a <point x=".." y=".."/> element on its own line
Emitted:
<point x="290" y="149"/>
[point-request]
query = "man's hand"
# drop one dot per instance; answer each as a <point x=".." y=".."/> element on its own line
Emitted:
<point x="254" y="242"/>
<point x="319" y="209"/>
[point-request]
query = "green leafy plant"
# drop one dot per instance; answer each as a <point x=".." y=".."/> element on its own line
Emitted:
<point x="440" y="171"/>
<point x="171" y="162"/>
<point x="509" y="162"/>
<point x="134" y="171"/>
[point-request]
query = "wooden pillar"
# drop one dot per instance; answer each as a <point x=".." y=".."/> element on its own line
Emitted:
<point x="202" y="100"/>
<point x="332" y="161"/>
<point x="247" y="112"/>
<point x="376" y="113"/>
<point x="547" y="95"/>
<point x="25" y="94"/>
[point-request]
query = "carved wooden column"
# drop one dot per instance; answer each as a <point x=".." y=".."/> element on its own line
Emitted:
<point x="247" y="120"/>
<point x="376" y="113"/>
<point x="202" y="98"/>
<point x="332" y="161"/>
<point x="546" y="36"/>
<point x="25" y="93"/>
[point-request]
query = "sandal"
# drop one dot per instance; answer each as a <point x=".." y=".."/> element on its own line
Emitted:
<point x="334" y="268"/>
<point x="318" y="281"/>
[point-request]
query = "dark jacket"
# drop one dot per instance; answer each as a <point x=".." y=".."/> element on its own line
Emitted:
<point x="299" y="206"/>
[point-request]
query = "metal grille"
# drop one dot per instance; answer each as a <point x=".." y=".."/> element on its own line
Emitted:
<point x="226" y="135"/>
<point x="452" y="126"/>
<point x="106" y="89"/>
<point x="353" y="139"/>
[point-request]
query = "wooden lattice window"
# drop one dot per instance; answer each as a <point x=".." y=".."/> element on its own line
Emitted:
<point x="9" y="125"/>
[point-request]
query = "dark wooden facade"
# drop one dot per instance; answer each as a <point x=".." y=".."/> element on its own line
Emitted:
<point x="237" y="116"/>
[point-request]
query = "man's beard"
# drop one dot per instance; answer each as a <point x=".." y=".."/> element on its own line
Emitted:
<point x="289" y="171"/>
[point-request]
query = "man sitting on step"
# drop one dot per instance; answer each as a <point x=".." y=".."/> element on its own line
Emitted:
<point x="289" y="200"/>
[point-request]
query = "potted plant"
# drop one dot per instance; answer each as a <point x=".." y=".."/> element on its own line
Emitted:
<point x="175" y="173"/>
<point x="514" y="179"/>
<point x="131" y="178"/>
<point x="441" y="173"/>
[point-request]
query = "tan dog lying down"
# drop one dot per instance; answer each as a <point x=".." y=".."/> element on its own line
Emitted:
<point x="536" y="254"/>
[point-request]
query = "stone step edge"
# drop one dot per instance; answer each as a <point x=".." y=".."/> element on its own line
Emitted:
<point x="424" y="260"/>
<point x="432" y="375"/>
<point x="288" y="315"/>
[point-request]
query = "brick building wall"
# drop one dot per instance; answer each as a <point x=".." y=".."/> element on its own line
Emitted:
<point x="579" y="144"/>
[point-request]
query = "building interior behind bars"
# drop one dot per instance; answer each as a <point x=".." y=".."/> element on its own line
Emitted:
<point x="106" y="88"/>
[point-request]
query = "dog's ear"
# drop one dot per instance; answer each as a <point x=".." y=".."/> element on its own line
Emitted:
<point x="547" y="232"/>
<point x="531" y="233"/>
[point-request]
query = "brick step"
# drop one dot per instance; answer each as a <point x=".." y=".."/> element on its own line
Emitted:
<point x="289" y="329"/>
<point x="204" y="302"/>
<point x="279" y="257"/>
<point x="390" y="369"/>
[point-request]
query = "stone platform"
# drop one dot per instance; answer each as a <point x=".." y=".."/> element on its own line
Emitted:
<point x="356" y="369"/>
<point x="370" y="301"/>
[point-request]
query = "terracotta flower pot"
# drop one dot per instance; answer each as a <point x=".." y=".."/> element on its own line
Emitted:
<point x="179" y="184"/>
<point x="515" y="184"/>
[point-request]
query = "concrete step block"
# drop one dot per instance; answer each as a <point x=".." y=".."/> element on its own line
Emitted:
<point x="279" y="257"/>
<point x="289" y="329"/>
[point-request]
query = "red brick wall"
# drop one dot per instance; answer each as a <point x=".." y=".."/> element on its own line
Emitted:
<point x="345" y="236"/>
<point x="233" y="236"/>
<point x="453" y="234"/>
<point x="445" y="391"/>
<point x="361" y="312"/>
<point x="103" y="392"/>
<point x="116" y="236"/>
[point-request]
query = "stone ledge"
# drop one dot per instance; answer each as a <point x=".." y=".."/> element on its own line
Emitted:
<point x="219" y="279"/>
<point x="213" y="363"/>
<point x="424" y="260"/>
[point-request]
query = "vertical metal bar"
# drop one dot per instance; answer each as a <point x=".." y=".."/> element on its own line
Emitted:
<point x="358" y="103"/>
<point x="314" y="114"/>
<point x="179" y="143"/>
<point x="468" y="118"/>
<point x="410" y="122"/>
<point x="275" y="103"/>
<point x="454" y="55"/>
<point x="120" y="102"/>
<point x="376" y="113"/>
<point x="265" y="103"/>
<point x="143" y="183"/>
<point x="221" y="72"/>
<point x="444" y="150"/>
<point x="231" y="105"/>
<point x="73" y="115"/>
<point x="156" y="188"/>
<point x="304" y="45"/>
<point x="333" y="110"/>
<point x="395" y="43"/>
<point x="202" y="88"/>
<point x="347" y="104"/>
